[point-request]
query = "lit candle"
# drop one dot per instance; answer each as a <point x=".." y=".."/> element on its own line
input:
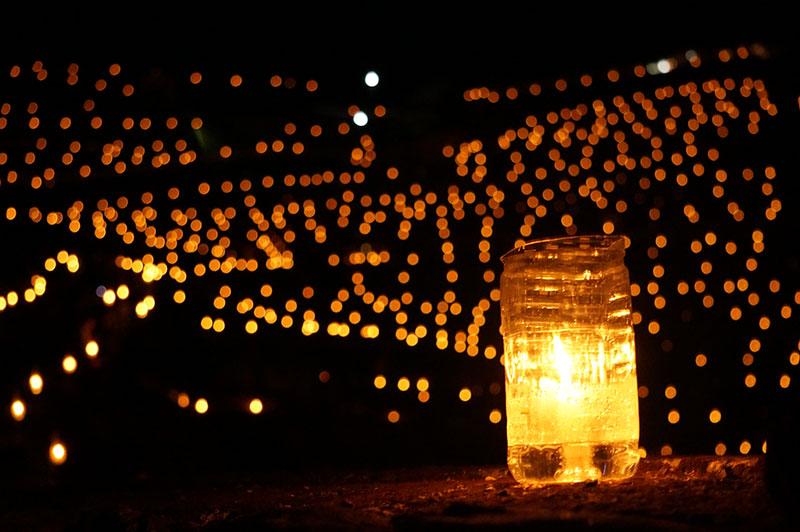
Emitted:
<point x="571" y="400"/>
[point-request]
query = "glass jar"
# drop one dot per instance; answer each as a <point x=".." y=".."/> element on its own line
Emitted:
<point x="571" y="392"/>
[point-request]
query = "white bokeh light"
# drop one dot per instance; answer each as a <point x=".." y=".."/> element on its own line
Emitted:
<point x="664" y="66"/>
<point x="360" y="118"/>
<point x="371" y="79"/>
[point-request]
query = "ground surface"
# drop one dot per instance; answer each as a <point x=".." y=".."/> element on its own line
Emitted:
<point x="681" y="493"/>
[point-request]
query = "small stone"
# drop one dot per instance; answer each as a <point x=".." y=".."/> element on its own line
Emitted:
<point x="737" y="470"/>
<point x="717" y="469"/>
<point x="674" y="463"/>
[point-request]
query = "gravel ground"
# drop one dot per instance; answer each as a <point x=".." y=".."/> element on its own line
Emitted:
<point x="673" y="493"/>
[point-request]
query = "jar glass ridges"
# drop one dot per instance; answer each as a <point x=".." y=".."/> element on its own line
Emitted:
<point x="571" y="390"/>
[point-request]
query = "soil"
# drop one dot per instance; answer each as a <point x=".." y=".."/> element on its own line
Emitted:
<point x="668" y="493"/>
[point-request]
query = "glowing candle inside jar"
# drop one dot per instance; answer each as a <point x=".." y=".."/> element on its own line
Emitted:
<point x="571" y="401"/>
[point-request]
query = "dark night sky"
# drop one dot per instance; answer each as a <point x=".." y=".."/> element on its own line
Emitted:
<point x="451" y="39"/>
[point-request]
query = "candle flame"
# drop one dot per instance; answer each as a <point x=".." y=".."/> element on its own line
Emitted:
<point x="563" y="363"/>
<point x="600" y="364"/>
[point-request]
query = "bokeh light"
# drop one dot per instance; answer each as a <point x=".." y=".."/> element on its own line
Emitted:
<point x="238" y="241"/>
<point x="256" y="406"/>
<point x="18" y="410"/>
<point x="58" y="453"/>
<point x="371" y="79"/>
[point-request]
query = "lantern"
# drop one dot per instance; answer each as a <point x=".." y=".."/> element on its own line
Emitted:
<point x="571" y="393"/>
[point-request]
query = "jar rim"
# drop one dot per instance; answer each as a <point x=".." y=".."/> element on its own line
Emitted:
<point x="601" y="242"/>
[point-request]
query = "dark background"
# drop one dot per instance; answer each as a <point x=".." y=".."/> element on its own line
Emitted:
<point x="117" y="415"/>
